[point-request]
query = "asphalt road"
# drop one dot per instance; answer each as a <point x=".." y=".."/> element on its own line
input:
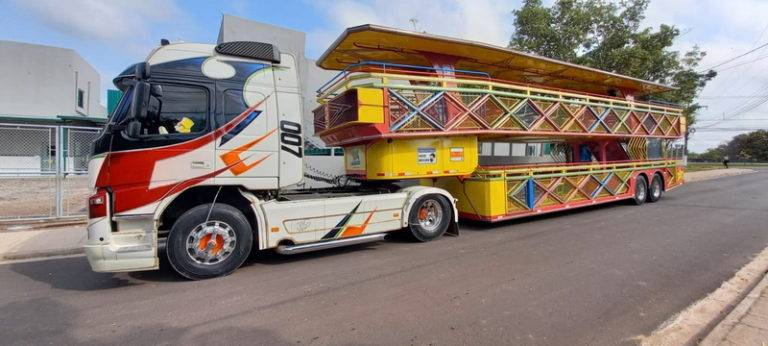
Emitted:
<point x="596" y="276"/>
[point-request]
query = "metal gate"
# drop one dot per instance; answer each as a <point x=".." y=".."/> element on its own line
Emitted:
<point x="44" y="171"/>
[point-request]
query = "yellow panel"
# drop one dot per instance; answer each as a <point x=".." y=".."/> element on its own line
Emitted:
<point x="486" y="198"/>
<point x="420" y="158"/>
<point x="371" y="105"/>
<point x="683" y="124"/>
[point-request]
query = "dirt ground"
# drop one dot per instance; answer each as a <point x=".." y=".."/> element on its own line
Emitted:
<point x="30" y="197"/>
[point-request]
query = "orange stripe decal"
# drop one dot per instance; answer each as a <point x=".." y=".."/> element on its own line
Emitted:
<point x="352" y="231"/>
<point x="232" y="158"/>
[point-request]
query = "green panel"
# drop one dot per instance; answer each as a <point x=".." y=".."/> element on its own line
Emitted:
<point x="113" y="97"/>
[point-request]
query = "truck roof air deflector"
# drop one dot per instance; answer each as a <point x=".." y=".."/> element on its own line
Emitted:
<point x="254" y="50"/>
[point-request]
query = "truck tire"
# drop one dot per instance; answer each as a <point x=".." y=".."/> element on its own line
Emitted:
<point x="655" y="190"/>
<point x="641" y="189"/>
<point x="194" y="252"/>
<point x="429" y="217"/>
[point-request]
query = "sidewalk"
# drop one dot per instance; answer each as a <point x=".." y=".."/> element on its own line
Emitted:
<point x="715" y="173"/>
<point x="58" y="241"/>
<point x="747" y="324"/>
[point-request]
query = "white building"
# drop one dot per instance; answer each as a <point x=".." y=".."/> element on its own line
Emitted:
<point x="45" y="81"/>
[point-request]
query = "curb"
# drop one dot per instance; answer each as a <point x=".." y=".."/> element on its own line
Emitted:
<point x="691" y="177"/>
<point x="703" y="317"/>
<point x="14" y="256"/>
<point x="723" y="329"/>
<point x="11" y="226"/>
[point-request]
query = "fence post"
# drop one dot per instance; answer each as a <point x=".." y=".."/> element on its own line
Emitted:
<point x="59" y="154"/>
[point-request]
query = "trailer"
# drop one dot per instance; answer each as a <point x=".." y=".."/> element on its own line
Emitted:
<point x="200" y="151"/>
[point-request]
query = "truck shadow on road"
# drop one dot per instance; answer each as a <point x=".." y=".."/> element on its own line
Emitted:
<point x="74" y="273"/>
<point x="47" y="321"/>
<point x="69" y="273"/>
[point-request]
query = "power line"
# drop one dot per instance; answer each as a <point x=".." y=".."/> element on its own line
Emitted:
<point x="741" y="72"/>
<point x="733" y="120"/>
<point x="736" y="57"/>
<point x="743" y="63"/>
<point x="730" y="129"/>
<point x="732" y="97"/>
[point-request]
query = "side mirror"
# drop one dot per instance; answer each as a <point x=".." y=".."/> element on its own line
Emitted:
<point x="156" y="90"/>
<point x="141" y="71"/>
<point x="133" y="130"/>
<point x="140" y="100"/>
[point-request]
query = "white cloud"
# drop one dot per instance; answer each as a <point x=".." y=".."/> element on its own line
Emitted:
<point x="724" y="29"/>
<point x="481" y="20"/>
<point x="101" y="20"/>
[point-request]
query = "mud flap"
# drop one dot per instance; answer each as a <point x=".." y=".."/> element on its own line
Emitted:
<point x="453" y="229"/>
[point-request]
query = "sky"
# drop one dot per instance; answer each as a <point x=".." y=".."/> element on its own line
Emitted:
<point x="113" y="34"/>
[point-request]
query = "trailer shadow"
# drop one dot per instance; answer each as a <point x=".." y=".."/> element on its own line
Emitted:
<point x="480" y="226"/>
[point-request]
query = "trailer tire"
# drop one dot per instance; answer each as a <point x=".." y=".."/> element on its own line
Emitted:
<point x="194" y="253"/>
<point x="655" y="190"/>
<point x="641" y="190"/>
<point x="429" y="217"/>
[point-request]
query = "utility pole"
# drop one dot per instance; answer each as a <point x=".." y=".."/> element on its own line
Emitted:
<point x="414" y="21"/>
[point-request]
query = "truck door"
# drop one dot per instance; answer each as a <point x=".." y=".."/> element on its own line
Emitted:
<point x="248" y="151"/>
<point x="170" y="153"/>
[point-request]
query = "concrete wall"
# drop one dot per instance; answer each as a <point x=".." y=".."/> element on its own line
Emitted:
<point x="43" y="80"/>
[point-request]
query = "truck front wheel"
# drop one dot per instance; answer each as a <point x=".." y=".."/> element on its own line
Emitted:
<point x="429" y="218"/>
<point x="209" y="241"/>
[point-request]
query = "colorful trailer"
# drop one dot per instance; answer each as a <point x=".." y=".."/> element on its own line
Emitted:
<point x="506" y="133"/>
<point x="201" y="149"/>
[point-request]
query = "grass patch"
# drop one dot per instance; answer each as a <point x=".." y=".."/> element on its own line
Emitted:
<point x="706" y="166"/>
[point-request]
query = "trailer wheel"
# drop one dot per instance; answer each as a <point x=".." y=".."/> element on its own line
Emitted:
<point x="655" y="190"/>
<point x="641" y="189"/>
<point x="429" y="218"/>
<point x="209" y="241"/>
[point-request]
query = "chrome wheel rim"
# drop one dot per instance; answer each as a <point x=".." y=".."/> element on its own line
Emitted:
<point x="656" y="189"/>
<point x="211" y="242"/>
<point x="430" y="215"/>
<point x="640" y="191"/>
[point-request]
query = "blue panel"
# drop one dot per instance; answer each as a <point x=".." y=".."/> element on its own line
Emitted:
<point x="586" y="154"/>
<point x="530" y="194"/>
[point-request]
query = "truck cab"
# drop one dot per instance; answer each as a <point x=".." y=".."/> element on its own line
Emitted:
<point x="198" y="153"/>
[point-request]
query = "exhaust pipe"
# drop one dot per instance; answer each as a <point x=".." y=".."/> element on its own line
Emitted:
<point x="329" y="244"/>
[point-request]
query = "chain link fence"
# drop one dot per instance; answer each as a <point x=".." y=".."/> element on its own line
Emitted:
<point x="44" y="171"/>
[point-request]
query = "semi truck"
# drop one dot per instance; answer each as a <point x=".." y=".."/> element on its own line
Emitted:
<point x="202" y="149"/>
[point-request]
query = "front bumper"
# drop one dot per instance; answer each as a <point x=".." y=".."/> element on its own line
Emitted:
<point x="130" y="249"/>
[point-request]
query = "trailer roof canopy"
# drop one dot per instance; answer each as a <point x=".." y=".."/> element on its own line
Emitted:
<point x="383" y="44"/>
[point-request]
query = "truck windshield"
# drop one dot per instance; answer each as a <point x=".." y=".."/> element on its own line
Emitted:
<point x="122" y="107"/>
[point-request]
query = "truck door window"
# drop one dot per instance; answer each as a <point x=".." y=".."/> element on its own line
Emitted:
<point x="183" y="110"/>
<point x="233" y="105"/>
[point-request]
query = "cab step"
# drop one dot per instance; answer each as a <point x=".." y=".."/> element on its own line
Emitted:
<point x="330" y="244"/>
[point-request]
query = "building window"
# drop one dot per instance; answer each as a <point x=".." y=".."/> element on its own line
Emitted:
<point x="501" y="149"/>
<point x="80" y="98"/>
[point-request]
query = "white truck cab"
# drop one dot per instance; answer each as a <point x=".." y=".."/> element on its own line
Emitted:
<point x="197" y="154"/>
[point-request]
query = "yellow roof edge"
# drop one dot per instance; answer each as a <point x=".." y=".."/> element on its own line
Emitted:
<point x="321" y="61"/>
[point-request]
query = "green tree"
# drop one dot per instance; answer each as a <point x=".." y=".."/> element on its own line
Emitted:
<point x="752" y="146"/>
<point x="608" y="36"/>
